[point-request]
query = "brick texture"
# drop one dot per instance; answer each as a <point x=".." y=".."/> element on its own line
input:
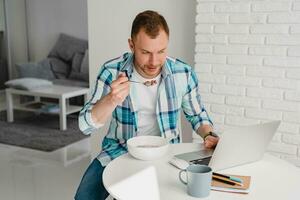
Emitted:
<point x="247" y="57"/>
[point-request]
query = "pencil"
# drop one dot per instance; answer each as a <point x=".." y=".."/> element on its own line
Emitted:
<point x="222" y="175"/>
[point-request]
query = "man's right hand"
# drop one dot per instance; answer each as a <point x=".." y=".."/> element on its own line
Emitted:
<point x="103" y="108"/>
<point x="119" y="89"/>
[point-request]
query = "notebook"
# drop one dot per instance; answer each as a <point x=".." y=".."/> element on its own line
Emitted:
<point x="244" y="189"/>
<point x="236" y="146"/>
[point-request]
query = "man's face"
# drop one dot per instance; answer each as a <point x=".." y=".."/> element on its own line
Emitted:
<point x="149" y="54"/>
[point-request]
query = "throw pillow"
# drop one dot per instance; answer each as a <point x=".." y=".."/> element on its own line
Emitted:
<point x="41" y="70"/>
<point x="66" y="46"/>
<point x="28" y="83"/>
<point x="60" y="69"/>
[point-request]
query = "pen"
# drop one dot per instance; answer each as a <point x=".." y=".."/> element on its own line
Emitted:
<point x="229" y="177"/>
<point x="225" y="180"/>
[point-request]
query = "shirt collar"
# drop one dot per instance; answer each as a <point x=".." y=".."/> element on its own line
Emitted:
<point x="128" y="66"/>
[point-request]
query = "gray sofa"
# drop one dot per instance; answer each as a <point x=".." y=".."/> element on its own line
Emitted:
<point x="66" y="64"/>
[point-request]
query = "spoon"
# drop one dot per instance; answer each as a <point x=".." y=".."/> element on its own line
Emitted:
<point x="147" y="83"/>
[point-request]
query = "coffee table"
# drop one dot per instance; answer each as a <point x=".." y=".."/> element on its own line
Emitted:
<point x="62" y="93"/>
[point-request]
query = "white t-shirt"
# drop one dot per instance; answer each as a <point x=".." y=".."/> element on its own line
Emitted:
<point x="146" y="105"/>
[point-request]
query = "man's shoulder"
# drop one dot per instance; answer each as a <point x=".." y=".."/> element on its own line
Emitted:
<point x="110" y="69"/>
<point x="178" y="66"/>
<point x="118" y="62"/>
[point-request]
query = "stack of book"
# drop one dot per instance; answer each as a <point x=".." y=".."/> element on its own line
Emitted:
<point x="231" y="183"/>
<point x="35" y="105"/>
<point x="51" y="108"/>
<point x="44" y="107"/>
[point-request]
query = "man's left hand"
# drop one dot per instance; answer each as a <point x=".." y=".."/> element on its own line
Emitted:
<point x="211" y="141"/>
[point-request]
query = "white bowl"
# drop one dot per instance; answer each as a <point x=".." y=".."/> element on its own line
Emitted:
<point x="147" y="147"/>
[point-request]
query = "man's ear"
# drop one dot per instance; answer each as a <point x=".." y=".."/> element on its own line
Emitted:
<point x="130" y="43"/>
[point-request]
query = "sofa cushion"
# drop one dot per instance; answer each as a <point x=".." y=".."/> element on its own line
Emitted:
<point x="66" y="46"/>
<point x="80" y="72"/>
<point x="71" y="82"/>
<point x="77" y="61"/>
<point x="28" y="83"/>
<point x="85" y="64"/>
<point x="59" y="68"/>
<point x="41" y="70"/>
<point x="76" y="64"/>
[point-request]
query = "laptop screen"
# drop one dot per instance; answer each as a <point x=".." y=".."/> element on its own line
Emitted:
<point x="236" y="147"/>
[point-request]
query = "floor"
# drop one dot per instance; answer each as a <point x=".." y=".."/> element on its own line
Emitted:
<point x="29" y="175"/>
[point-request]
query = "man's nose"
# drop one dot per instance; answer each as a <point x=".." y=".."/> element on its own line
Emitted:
<point x="153" y="60"/>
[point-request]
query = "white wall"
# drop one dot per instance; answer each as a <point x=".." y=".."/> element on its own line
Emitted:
<point x="46" y="19"/>
<point x="2" y="22"/>
<point x="16" y="33"/>
<point x="110" y="25"/>
<point x="248" y="62"/>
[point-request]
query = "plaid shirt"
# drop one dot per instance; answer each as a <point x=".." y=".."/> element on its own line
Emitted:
<point x="178" y="89"/>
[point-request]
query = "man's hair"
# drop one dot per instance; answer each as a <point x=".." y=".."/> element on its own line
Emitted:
<point x="151" y="22"/>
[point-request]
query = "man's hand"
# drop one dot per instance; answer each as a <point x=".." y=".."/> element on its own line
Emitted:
<point x="210" y="141"/>
<point x="103" y="108"/>
<point x="119" y="89"/>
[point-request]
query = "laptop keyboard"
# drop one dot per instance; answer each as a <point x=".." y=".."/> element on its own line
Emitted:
<point x="202" y="161"/>
<point x="197" y="157"/>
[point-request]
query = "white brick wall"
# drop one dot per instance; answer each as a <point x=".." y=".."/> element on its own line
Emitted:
<point x="248" y="63"/>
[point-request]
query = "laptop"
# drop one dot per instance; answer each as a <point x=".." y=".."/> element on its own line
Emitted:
<point x="236" y="147"/>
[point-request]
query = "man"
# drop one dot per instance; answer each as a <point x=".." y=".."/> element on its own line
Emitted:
<point x="144" y="91"/>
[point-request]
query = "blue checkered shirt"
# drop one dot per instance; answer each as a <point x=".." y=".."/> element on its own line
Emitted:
<point x="179" y="89"/>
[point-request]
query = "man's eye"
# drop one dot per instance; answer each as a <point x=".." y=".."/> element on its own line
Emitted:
<point x="160" y="52"/>
<point x="144" y="52"/>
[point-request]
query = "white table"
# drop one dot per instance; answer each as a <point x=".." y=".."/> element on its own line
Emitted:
<point x="62" y="93"/>
<point x="126" y="178"/>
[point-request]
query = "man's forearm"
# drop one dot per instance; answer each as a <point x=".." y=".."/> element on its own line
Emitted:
<point x="204" y="130"/>
<point x="119" y="90"/>
<point x="102" y="110"/>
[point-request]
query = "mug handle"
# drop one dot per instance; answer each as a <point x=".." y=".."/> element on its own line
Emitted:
<point x="182" y="181"/>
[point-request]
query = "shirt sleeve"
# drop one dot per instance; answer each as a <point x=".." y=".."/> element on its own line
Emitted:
<point x="86" y="124"/>
<point x="191" y="104"/>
